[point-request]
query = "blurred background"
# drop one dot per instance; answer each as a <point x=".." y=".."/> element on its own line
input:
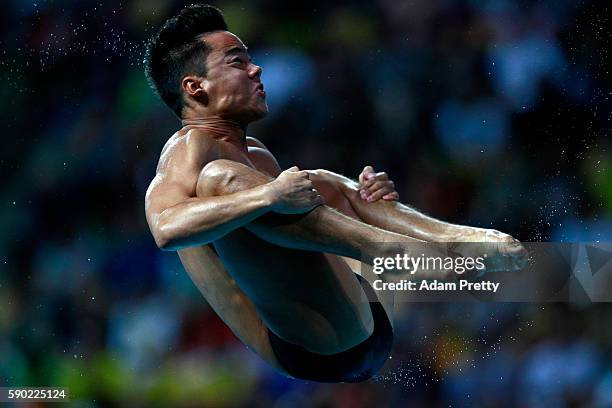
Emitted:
<point x="489" y="113"/>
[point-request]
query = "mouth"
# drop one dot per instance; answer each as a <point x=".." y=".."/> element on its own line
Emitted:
<point x="259" y="90"/>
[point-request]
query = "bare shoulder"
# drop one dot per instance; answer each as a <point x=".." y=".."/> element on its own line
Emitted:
<point x="180" y="162"/>
<point x="253" y="142"/>
<point x="261" y="156"/>
<point x="185" y="151"/>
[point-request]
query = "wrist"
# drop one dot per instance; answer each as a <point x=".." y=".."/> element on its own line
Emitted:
<point x="268" y="196"/>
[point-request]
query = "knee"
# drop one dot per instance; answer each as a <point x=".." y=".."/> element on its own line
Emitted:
<point x="337" y="191"/>
<point x="222" y="176"/>
<point x="332" y="183"/>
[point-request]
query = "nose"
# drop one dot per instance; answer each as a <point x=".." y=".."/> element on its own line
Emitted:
<point x="255" y="71"/>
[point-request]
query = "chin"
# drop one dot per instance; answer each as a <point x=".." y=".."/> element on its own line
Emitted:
<point x="250" y="116"/>
<point x="260" y="114"/>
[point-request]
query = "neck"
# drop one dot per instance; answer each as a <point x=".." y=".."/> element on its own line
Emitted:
<point x="223" y="129"/>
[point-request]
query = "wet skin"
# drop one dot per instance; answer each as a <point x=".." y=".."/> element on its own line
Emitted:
<point x="305" y="297"/>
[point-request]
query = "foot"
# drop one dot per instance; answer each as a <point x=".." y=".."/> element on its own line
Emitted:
<point x="501" y="251"/>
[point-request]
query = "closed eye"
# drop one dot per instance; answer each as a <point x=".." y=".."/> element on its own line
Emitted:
<point x="241" y="61"/>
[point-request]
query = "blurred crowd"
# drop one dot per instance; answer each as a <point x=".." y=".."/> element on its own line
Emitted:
<point x="494" y="114"/>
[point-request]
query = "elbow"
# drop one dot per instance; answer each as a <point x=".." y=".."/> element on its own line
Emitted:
<point x="171" y="237"/>
<point x="167" y="239"/>
<point x="163" y="240"/>
<point x="162" y="243"/>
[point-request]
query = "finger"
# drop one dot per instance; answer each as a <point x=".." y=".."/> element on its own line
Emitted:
<point x="382" y="184"/>
<point x="378" y="194"/>
<point x="303" y="175"/>
<point x="373" y="178"/>
<point x="377" y="186"/>
<point x="317" y="199"/>
<point x="367" y="184"/>
<point x="366" y="174"/>
<point x="307" y="184"/>
<point x="367" y="170"/>
<point x="370" y="188"/>
<point x="381" y="176"/>
<point x="362" y="175"/>
<point x="365" y="190"/>
<point x="394" y="196"/>
<point x="293" y="168"/>
<point x="312" y="188"/>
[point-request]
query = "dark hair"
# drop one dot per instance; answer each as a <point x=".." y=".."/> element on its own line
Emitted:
<point x="176" y="50"/>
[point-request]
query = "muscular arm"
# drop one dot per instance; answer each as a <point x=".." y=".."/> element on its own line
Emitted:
<point x="186" y="206"/>
<point x="178" y="220"/>
<point x="177" y="217"/>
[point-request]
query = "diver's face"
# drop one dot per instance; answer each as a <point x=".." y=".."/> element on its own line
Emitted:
<point x="233" y="83"/>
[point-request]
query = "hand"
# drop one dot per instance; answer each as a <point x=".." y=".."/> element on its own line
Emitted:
<point x="374" y="186"/>
<point x="292" y="192"/>
<point x="503" y="252"/>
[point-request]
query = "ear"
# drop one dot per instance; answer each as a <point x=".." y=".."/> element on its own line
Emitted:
<point x="194" y="86"/>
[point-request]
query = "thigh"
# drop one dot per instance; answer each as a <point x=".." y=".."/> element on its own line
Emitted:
<point x="355" y="364"/>
<point x="332" y="188"/>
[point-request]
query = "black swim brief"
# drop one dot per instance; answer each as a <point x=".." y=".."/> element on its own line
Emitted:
<point x="356" y="364"/>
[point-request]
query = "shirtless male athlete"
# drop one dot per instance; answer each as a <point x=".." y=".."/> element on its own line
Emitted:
<point x="267" y="247"/>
